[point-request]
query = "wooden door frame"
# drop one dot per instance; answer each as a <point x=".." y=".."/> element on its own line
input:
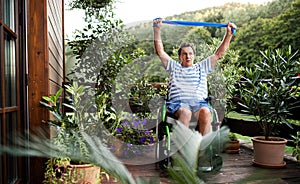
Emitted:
<point x="38" y="76"/>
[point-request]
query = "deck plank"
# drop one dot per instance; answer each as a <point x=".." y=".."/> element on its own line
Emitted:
<point x="237" y="168"/>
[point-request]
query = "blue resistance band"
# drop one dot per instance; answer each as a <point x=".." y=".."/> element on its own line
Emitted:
<point x="187" y="23"/>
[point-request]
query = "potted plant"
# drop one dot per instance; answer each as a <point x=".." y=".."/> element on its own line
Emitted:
<point x="134" y="136"/>
<point x="233" y="144"/>
<point x="266" y="93"/>
<point x="68" y="128"/>
<point x="296" y="148"/>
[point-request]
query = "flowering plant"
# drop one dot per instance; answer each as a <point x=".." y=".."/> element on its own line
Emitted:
<point x="135" y="136"/>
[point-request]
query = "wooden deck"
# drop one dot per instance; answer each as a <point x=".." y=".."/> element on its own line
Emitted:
<point x="237" y="168"/>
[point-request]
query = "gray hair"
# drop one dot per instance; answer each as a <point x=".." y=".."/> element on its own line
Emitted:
<point x="186" y="45"/>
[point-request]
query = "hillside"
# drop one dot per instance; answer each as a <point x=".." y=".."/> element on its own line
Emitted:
<point x="244" y="16"/>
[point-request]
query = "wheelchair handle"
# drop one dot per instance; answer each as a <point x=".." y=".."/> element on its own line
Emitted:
<point x="210" y="98"/>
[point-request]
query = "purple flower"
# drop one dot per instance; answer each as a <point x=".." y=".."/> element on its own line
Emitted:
<point x="133" y="136"/>
<point x="136" y="124"/>
<point x="144" y="122"/>
<point x="112" y="148"/>
<point x="132" y="116"/>
<point x="124" y="123"/>
<point x="142" y="139"/>
<point x="119" y="130"/>
<point x="151" y="139"/>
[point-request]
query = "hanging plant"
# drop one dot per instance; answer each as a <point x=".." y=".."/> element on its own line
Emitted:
<point x="84" y="4"/>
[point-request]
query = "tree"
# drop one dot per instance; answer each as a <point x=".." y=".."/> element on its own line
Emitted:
<point x="102" y="48"/>
<point x="284" y="29"/>
<point x="268" y="33"/>
<point x="250" y="40"/>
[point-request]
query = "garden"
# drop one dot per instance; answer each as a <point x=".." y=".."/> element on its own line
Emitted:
<point x="125" y="84"/>
<point x="105" y="115"/>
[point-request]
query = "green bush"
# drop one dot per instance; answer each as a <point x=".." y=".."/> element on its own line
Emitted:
<point x="266" y="90"/>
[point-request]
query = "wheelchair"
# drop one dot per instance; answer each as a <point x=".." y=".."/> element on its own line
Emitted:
<point x="209" y="160"/>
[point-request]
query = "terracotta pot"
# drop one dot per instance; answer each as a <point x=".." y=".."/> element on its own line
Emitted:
<point x="269" y="153"/>
<point x="232" y="147"/>
<point x="86" y="173"/>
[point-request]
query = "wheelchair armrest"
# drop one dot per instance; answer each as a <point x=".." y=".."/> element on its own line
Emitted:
<point x="171" y="115"/>
<point x="210" y="98"/>
<point x="171" y="118"/>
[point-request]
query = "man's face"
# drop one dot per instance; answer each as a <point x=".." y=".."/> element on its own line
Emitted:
<point x="186" y="56"/>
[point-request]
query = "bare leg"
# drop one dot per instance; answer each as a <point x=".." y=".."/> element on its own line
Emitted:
<point x="204" y="120"/>
<point x="184" y="115"/>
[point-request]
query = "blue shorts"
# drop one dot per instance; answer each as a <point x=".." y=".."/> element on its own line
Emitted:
<point x="193" y="105"/>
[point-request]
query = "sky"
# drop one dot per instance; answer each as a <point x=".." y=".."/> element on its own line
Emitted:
<point x="131" y="11"/>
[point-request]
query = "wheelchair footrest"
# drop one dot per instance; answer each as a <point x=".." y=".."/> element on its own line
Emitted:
<point x="208" y="164"/>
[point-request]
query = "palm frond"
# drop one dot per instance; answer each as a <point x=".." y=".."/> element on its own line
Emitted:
<point x="41" y="146"/>
<point x="189" y="144"/>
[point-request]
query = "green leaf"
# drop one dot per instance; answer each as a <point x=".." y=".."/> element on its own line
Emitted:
<point x="45" y="104"/>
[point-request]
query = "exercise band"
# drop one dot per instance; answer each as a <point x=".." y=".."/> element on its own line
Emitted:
<point x="187" y="23"/>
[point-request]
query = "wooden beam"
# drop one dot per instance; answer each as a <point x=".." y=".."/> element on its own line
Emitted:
<point x="38" y="77"/>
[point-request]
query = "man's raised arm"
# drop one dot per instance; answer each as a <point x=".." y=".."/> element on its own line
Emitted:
<point x="158" y="45"/>
<point x="222" y="48"/>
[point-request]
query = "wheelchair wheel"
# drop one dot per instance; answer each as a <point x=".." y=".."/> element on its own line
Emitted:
<point x="164" y="158"/>
<point x="217" y="162"/>
<point x="164" y="155"/>
<point x="210" y="161"/>
<point x="165" y="163"/>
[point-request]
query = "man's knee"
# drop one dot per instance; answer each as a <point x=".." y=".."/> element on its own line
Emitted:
<point x="184" y="112"/>
<point x="204" y="120"/>
<point x="184" y="115"/>
<point x="204" y="114"/>
<point x="205" y="111"/>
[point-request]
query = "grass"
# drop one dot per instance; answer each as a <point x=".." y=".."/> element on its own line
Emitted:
<point x="242" y="137"/>
<point x="236" y="115"/>
<point x="246" y="117"/>
<point x="289" y="149"/>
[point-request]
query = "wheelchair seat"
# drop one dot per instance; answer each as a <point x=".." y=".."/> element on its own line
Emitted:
<point x="171" y="118"/>
<point x="163" y="152"/>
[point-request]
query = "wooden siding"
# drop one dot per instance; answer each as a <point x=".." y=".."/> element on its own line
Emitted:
<point x="56" y="44"/>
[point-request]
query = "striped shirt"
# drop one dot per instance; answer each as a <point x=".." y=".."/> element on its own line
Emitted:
<point x="186" y="83"/>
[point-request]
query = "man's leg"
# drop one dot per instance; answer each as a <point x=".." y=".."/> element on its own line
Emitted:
<point x="184" y="115"/>
<point x="204" y="120"/>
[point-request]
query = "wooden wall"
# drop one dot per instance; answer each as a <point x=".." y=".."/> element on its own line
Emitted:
<point x="45" y="65"/>
<point x="56" y="44"/>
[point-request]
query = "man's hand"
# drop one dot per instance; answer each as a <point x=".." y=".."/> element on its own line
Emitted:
<point x="157" y="22"/>
<point x="231" y="28"/>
